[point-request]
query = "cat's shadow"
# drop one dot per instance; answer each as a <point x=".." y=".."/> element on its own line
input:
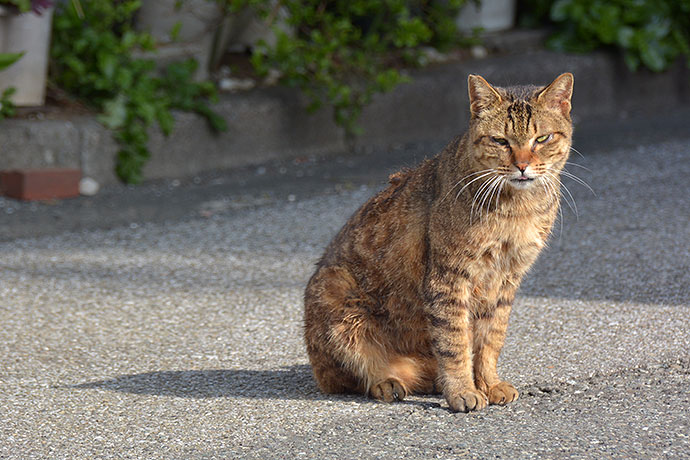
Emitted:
<point x="290" y="382"/>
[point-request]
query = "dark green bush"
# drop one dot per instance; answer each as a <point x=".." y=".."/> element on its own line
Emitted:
<point x="343" y="52"/>
<point x="340" y="52"/>
<point x="22" y="5"/>
<point x="94" y="56"/>
<point x="653" y="33"/>
<point x="533" y="13"/>
<point x="7" y="108"/>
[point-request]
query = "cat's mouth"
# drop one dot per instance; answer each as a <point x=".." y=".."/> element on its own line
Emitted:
<point x="522" y="181"/>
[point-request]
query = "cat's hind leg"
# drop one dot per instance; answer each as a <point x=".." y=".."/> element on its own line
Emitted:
<point x="405" y="375"/>
<point x="338" y="332"/>
<point x="349" y="348"/>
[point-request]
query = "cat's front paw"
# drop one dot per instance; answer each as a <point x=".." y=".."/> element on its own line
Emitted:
<point x="467" y="400"/>
<point x="388" y="390"/>
<point x="502" y="393"/>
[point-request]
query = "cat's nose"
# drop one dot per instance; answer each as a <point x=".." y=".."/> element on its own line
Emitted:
<point x="522" y="166"/>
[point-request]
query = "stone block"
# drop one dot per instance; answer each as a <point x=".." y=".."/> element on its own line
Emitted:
<point x="40" y="184"/>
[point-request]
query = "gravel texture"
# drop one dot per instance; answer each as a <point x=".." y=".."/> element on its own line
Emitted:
<point x="181" y="339"/>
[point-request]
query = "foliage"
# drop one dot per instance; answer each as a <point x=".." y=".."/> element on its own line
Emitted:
<point x="7" y="59"/>
<point x="38" y="6"/>
<point x="342" y="52"/>
<point x="7" y="108"/>
<point x="533" y="13"/>
<point x="22" y="5"/>
<point x="94" y="56"/>
<point x="650" y="32"/>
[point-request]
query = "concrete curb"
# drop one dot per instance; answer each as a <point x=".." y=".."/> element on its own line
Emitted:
<point x="270" y="123"/>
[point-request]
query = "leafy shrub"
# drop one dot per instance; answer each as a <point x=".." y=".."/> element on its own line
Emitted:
<point x="7" y="108"/>
<point x="342" y="52"/>
<point x="653" y="33"/>
<point x="23" y="6"/>
<point x="533" y="13"/>
<point x="94" y="56"/>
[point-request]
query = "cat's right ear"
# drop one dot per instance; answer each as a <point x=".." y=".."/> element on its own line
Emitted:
<point x="482" y="94"/>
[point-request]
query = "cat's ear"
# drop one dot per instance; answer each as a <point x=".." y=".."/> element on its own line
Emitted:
<point x="558" y="94"/>
<point x="482" y="94"/>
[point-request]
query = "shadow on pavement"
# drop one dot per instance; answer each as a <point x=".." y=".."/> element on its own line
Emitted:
<point x="290" y="382"/>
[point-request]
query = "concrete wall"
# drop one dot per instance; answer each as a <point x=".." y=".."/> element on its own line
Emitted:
<point x="269" y="123"/>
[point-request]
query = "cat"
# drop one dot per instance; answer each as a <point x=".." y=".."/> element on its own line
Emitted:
<point x="414" y="293"/>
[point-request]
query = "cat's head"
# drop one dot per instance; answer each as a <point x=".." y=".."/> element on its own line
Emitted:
<point x="522" y="133"/>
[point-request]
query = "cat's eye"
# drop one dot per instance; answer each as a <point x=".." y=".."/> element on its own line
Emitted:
<point x="500" y="140"/>
<point x="544" y="138"/>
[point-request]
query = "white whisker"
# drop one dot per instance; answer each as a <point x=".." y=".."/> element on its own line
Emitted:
<point x="496" y="189"/>
<point x="460" y="181"/>
<point x="470" y="182"/>
<point x="577" y="151"/>
<point x="572" y="199"/>
<point x="579" y="166"/>
<point x="551" y="190"/>
<point x="500" y="189"/>
<point x="487" y="194"/>
<point x="478" y="195"/>
<point x="567" y="173"/>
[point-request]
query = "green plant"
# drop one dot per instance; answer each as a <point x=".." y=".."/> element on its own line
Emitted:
<point x="653" y="33"/>
<point x="24" y="6"/>
<point x="533" y="13"/>
<point x="97" y="56"/>
<point x="7" y="108"/>
<point x="342" y="52"/>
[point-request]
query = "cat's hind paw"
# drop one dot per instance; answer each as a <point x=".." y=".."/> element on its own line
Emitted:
<point x="502" y="393"/>
<point x="388" y="390"/>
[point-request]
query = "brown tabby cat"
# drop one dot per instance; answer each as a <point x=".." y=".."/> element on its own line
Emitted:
<point x="415" y="291"/>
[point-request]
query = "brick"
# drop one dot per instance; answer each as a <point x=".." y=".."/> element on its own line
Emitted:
<point x="40" y="184"/>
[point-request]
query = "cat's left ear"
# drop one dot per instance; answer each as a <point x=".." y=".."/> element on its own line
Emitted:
<point x="558" y="94"/>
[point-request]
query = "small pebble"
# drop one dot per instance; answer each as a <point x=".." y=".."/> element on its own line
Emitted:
<point x="88" y="186"/>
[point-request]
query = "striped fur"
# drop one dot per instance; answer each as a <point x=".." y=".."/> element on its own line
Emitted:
<point x="415" y="291"/>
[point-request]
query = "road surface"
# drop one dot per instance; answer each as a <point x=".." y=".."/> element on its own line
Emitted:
<point x="164" y="322"/>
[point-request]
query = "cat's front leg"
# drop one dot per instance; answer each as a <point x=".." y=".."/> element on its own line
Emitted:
<point x="452" y="345"/>
<point x="488" y="333"/>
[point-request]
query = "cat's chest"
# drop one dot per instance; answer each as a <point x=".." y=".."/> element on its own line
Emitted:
<point x="499" y="252"/>
<point x="507" y="238"/>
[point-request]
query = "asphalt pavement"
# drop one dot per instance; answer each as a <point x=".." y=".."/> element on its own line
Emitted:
<point x="164" y="321"/>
